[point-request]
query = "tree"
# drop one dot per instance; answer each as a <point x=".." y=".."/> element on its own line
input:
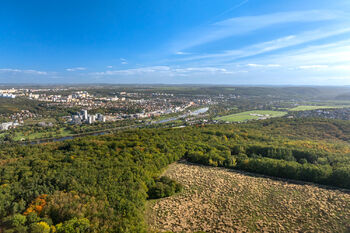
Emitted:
<point x="40" y="227"/>
<point x="18" y="220"/>
<point x="74" y="225"/>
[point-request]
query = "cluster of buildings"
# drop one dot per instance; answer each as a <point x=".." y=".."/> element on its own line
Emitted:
<point x="125" y="105"/>
<point x="84" y="117"/>
<point x="162" y="94"/>
<point x="75" y="97"/>
<point x="8" y="93"/>
<point x="79" y="98"/>
<point x="337" y="113"/>
<point x="119" y="105"/>
<point x="8" y="125"/>
<point x="22" y="115"/>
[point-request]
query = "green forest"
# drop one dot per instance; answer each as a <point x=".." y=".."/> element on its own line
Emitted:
<point x="101" y="183"/>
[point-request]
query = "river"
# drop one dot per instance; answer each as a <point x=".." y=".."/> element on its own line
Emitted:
<point x="193" y="113"/>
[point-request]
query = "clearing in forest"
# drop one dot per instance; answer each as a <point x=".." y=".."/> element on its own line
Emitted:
<point x="222" y="200"/>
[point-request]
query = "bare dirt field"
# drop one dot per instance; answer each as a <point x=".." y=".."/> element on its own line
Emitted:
<point x="222" y="200"/>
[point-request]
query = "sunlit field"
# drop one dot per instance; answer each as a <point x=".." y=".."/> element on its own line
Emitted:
<point x="251" y="115"/>
<point x="312" y="107"/>
<point x="222" y="200"/>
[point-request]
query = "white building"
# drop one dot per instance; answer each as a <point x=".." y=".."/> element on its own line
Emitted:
<point x="7" y="95"/>
<point x="84" y="114"/>
<point x="34" y="96"/>
<point x="84" y="117"/>
<point x="91" y="119"/>
<point x="8" y="125"/>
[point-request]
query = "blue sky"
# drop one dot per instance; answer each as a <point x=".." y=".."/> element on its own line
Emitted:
<point x="299" y="42"/>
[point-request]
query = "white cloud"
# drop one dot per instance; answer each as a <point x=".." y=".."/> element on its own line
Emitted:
<point x="245" y="24"/>
<point x="262" y="65"/>
<point x="273" y="65"/>
<point x="109" y="67"/>
<point x="342" y="67"/>
<point x="234" y="7"/>
<point x="280" y="17"/>
<point x="254" y="65"/>
<point x="334" y="56"/>
<point x="123" y="61"/>
<point x="142" y="70"/>
<point x="313" y="67"/>
<point x="76" y="69"/>
<point x="8" y="70"/>
<point x="181" y="53"/>
<point x="201" y="70"/>
<point x="269" y="46"/>
<point x="165" y="71"/>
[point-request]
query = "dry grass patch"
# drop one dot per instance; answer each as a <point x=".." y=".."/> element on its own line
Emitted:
<point x="222" y="200"/>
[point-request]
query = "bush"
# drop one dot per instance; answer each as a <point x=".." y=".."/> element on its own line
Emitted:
<point x="163" y="187"/>
<point x="40" y="227"/>
<point x="17" y="220"/>
<point x="74" y="226"/>
<point x="32" y="218"/>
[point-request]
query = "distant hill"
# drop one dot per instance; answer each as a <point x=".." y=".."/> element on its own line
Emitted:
<point x="345" y="96"/>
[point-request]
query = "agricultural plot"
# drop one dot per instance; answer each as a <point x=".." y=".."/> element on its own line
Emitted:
<point x="314" y="107"/>
<point x="222" y="200"/>
<point x="251" y="115"/>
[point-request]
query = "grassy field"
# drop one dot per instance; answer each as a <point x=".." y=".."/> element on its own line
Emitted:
<point x="222" y="200"/>
<point x="314" y="107"/>
<point x="251" y="115"/>
<point x="63" y="132"/>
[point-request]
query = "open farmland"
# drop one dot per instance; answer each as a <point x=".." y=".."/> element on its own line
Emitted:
<point x="222" y="200"/>
<point x="314" y="107"/>
<point x="251" y="115"/>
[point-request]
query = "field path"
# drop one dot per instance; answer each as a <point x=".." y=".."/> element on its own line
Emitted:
<point x="222" y="200"/>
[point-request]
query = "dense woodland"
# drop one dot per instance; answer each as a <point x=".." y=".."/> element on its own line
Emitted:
<point x="101" y="184"/>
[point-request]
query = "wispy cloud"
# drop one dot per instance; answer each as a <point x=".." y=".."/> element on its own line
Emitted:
<point x="235" y="7"/>
<point x="164" y="70"/>
<point x="313" y="67"/>
<point x="308" y="64"/>
<point x="76" y="69"/>
<point x="197" y="70"/>
<point x="245" y="24"/>
<point x="263" y="66"/>
<point x="181" y="53"/>
<point x="36" y="72"/>
<point x="123" y="61"/>
<point x="142" y="70"/>
<point x="330" y="55"/>
<point x="269" y="46"/>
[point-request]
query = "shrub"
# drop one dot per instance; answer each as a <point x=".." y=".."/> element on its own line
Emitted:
<point x="17" y="220"/>
<point x="163" y="187"/>
<point x="74" y="225"/>
<point x="40" y="227"/>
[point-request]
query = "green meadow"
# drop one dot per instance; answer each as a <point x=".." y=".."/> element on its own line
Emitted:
<point x="251" y="115"/>
<point x="314" y="107"/>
